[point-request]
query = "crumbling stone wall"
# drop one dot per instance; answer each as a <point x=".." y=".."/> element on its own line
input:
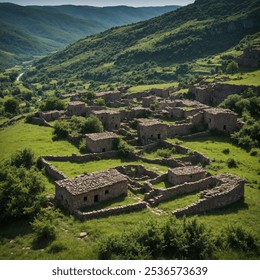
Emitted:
<point x="110" y="212"/>
<point x="179" y="129"/>
<point x="137" y="172"/>
<point x="231" y="190"/>
<point x="52" y="171"/>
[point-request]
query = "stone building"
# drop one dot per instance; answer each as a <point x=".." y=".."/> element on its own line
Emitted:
<point x="250" y="57"/>
<point x="147" y="101"/>
<point x="109" y="96"/>
<point x="152" y="130"/>
<point x="221" y="119"/>
<point x="109" y="118"/>
<point x="90" y="189"/>
<point x="163" y="93"/>
<point x="180" y="175"/>
<point x="76" y="108"/>
<point x="100" y="142"/>
<point x="51" y="115"/>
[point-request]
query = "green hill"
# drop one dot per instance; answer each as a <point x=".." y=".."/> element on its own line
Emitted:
<point x="36" y="30"/>
<point x="140" y="51"/>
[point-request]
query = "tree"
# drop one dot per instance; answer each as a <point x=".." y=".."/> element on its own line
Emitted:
<point x="21" y="193"/>
<point x="100" y="102"/>
<point x="91" y="95"/>
<point x="232" y="67"/>
<point x="92" y="125"/>
<point x="61" y="129"/>
<point x="52" y="103"/>
<point x="11" y="106"/>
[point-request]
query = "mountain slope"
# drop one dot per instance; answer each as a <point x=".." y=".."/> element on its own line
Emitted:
<point x="197" y="30"/>
<point x="49" y="28"/>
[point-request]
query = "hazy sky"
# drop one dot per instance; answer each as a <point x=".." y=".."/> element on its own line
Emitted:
<point x="135" y="3"/>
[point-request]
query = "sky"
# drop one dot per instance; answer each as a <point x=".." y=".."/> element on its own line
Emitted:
<point x="101" y="3"/>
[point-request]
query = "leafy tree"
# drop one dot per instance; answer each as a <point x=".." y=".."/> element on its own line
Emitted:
<point x="61" y="129"/>
<point x="232" y="67"/>
<point x="92" y="125"/>
<point x="52" y="103"/>
<point x="122" y="146"/>
<point x="21" y="193"/>
<point x="91" y="95"/>
<point x="11" y="106"/>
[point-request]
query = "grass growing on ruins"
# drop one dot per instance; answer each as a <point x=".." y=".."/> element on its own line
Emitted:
<point x="162" y="153"/>
<point x="162" y="185"/>
<point x="179" y="202"/>
<point x="73" y="169"/>
<point x="39" y="138"/>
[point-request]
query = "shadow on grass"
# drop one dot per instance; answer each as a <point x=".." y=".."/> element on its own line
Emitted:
<point x="14" y="229"/>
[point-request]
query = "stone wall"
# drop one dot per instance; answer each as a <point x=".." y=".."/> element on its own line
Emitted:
<point x="137" y="172"/>
<point x="40" y="121"/>
<point x="110" y="212"/>
<point x="218" y="197"/>
<point x="83" y="158"/>
<point x="52" y="171"/>
<point x="214" y="94"/>
<point x="179" y="129"/>
<point x="170" y="162"/>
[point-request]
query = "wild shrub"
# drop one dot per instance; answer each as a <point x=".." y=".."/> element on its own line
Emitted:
<point x="231" y="163"/>
<point x="23" y="158"/>
<point x="226" y="151"/>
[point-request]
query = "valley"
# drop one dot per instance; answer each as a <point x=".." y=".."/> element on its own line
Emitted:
<point x="123" y="143"/>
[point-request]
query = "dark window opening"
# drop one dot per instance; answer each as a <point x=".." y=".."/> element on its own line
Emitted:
<point x="225" y="127"/>
<point x="85" y="198"/>
<point x="159" y="136"/>
<point x="106" y="191"/>
<point x="96" y="198"/>
<point x="116" y="126"/>
<point x="210" y="120"/>
<point x="103" y="150"/>
<point x="191" y="176"/>
<point x="61" y="197"/>
<point x="151" y="136"/>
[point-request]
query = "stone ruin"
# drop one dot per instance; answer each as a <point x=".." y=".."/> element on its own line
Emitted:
<point x="89" y="189"/>
<point x="250" y="57"/>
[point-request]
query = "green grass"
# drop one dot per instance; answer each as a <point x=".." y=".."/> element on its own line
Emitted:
<point x="39" y="138"/>
<point x="72" y="169"/>
<point x="248" y="166"/>
<point x="250" y="78"/>
<point x="149" y="87"/>
<point x="179" y="202"/>
<point x="162" y="185"/>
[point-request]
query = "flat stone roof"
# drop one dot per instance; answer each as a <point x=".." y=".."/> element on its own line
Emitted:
<point x="151" y="122"/>
<point x="102" y="93"/>
<point x="101" y="136"/>
<point x="110" y="112"/>
<point x="75" y="103"/>
<point x="216" y="111"/>
<point x="92" y="181"/>
<point x="187" y="170"/>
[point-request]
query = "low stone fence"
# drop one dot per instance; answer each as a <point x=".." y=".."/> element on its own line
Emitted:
<point x="170" y="162"/>
<point x="218" y="197"/>
<point x="40" y="121"/>
<point x="159" y="179"/>
<point x="52" y="171"/>
<point x="12" y="121"/>
<point x="195" y="135"/>
<point x="136" y="172"/>
<point x="83" y="158"/>
<point x="166" y="194"/>
<point x="110" y="212"/>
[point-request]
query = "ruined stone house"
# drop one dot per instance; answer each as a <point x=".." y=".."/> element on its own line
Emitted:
<point x="51" y="115"/>
<point x="100" y="142"/>
<point x="109" y="118"/>
<point x="180" y="175"/>
<point x="76" y="108"/>
<point x="152" y="130"/>
<point x="109" y="96"/>
<point x="147" y="101"/>
<point x="90" y="189"/>
<point x="163" y="93"/>
<point x="250" y="57"/>
<point x="221" y="119"/>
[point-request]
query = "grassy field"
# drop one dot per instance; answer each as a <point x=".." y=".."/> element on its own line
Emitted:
<point x="149" y="87"/>
<point x="72" y="169"/>
<point x="39" y="138"/>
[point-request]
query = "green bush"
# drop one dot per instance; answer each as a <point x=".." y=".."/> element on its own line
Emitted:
<point x="226" y="151"/>
<point x="92" y="125"/>
<point x="21" y="193"/>
<point x="24" y="158"/>
<point x="11" y="106"/>
<point x="231" y="163"/>
<point x="61" y="129"/>
<point x="83" y="146"/>
<point x="52" y="103"/>
<point x="232" y="67"/>
<point x="100" y="102"/>
<point x="123" y="148"/>
<point x="165" y="153"/>
<point x="44" y="228"/>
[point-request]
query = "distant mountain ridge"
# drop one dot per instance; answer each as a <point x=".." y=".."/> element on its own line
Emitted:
<point x="26" y="31"/>
<point x="129" y="53"/>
